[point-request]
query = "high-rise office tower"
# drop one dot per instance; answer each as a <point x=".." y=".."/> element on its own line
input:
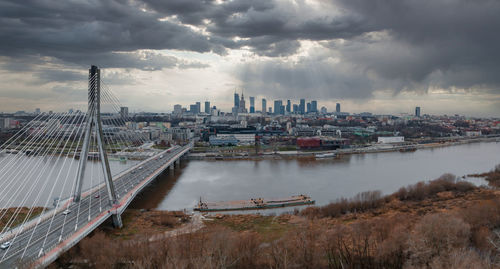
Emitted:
<point x="193" y="109"/>
<point x="264" y="105"/>
<point x="302" y="106"/>
<point x="417" y="111"/>
<point x="314" y="106"/>
<point x="277" y="107"/>
<point x="337" y="108"/>
<point x="252" y="104"/>
<point x="124" y="112"/>
<point x="288" y="106"/>
<point x="177" y="109"/>
<point x="207" y="107"/>
<point x="198" y="107"/>
<point x="309" y="107"/>
<point x="295" y="108"/>
<point x="236" y="100"/>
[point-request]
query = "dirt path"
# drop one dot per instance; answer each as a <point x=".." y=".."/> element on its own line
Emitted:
<point x="194" y="225"/>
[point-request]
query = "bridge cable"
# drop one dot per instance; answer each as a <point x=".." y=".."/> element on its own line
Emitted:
<point x="64" y="159"/>
<point x="22" y="166"/>
<point x="31" y="189"/>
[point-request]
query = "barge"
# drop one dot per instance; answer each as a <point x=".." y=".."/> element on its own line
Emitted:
<point x="253" y="204"/>
<point x="325" y="155"/>
<point x="408" y="149"/>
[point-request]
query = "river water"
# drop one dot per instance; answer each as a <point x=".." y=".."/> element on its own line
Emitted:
<point x="36" y="181"/>
<point x="324" y="180"/>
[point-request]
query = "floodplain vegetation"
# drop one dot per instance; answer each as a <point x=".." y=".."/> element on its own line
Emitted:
<point x="14" y="216"/>
<point x="443" y="223"/>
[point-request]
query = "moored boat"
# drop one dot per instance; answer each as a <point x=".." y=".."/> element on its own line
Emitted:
<point x="253" y="204"/>
<point x="325" y="155"/>
<point x="408" y="149"/>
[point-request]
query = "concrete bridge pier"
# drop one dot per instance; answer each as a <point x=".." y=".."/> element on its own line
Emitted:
<point x="171" y="167"/>
<point x="117" y="220"/>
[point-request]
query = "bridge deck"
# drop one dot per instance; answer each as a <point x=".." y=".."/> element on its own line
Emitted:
<point x="64" y="231"/>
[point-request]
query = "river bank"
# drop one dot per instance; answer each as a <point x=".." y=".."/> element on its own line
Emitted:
<point x="321" y="179"/>
<point x="445" y="223"/>
<point x="374" y="148"/>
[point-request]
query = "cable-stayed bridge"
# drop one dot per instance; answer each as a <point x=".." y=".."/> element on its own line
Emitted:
<point x="56" y="181"/>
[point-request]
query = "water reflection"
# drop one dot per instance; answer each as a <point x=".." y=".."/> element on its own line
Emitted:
<point x="325" y="180"/>
<point x="34" y="180"/>
<point x="158" y="189"/>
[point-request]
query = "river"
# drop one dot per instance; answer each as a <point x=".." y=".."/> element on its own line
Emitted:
<point x="324" y="180"/>
<point x="36" y="181"/>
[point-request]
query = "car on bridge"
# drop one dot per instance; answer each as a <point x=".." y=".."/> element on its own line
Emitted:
<point x="5" y="245"/>
<point x="66" y="212"/>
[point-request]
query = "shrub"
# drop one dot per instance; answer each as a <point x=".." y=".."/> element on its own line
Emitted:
<point x="422" y="190"/>
<point x="437" y="235"/>
<point x="361" y="202"/>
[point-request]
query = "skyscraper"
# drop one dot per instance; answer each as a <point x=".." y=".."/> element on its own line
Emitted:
<point x="236" y="100"/>
<point x="264" y="106"/>
<point x="417" y="111"/>
<point x="295" y="108"/>
<point x="207" y="107"/>
<point x="309" y="107"/>
<point x="302" y="106"/>
<point x="193" y="109"/>
<point x="288" y="106"/>
<point x="198" y="107"/>
<point x="337" y="108"/>
<point x="314" y="106"/>
<point x="252" y="104"/>
<point x="242" y="107"/>
<point x="177" y="109"/>
<point x="124" y="112"/>
<point x="277" y="107"/>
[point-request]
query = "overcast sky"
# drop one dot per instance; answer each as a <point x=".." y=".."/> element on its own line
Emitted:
<point x="383" y="56"/>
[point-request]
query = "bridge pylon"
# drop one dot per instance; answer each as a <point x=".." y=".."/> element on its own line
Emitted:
<point x="94" y="124"/>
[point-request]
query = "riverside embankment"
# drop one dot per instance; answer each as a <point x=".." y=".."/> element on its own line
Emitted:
<point x="250" y="154"/>
<point x="322" y="179"/>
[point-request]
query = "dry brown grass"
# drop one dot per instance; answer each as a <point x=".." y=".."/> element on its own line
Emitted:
<point x="15" y="216"/>
<point x="450" y="225"/>
<point x="493" y="177"/>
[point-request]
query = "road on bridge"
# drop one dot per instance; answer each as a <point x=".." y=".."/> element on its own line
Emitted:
<point x="57" y="229"/>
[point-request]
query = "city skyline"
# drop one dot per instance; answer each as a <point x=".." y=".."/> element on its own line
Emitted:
<point x="157" y="54"/>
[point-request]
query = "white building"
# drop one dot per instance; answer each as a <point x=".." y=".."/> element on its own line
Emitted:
<point x="390" y="139"/>
<point x="473" y="133"/>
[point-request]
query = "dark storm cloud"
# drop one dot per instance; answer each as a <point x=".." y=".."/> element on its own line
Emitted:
<point x="378" y="44"/>
<point x="399" y="45"/>
<point x="317" y="79"/>
<point x="78" y="31"/>
<point x="143" y="60"/>
<point x="437" y="43"/>
<point x="47" y="76"/>
<point x="265" y="25"/>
